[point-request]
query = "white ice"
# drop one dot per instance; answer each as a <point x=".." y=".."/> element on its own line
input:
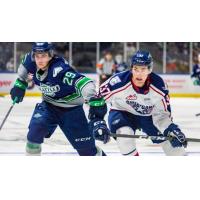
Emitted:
<point x="13" y="133"/>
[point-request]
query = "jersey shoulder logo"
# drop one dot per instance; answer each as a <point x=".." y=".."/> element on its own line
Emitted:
<point x="115" y="80"/>
<point x="56" y="71"/>
<point x="24" y="59"/>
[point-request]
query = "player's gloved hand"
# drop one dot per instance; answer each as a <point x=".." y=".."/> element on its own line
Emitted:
<point x="177" y="137"/>
<point x="196" y="82"/>
<point x="18" y="91"/>
<point x="100" y="130"/>
<point x="96" y="115"/>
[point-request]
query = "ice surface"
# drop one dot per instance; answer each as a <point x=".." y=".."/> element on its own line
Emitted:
<point x="13" y="133"/>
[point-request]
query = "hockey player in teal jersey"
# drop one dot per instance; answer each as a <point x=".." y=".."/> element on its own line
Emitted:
<point x="64" y="91"/>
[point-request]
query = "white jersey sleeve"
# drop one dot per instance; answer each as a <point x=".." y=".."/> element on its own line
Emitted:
<point x="161" y="114"/>
<point x="88" y="90"/>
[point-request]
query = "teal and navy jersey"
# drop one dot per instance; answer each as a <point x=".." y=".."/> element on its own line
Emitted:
<point x="60" y="84"/>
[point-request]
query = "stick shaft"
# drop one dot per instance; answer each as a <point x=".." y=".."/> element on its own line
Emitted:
<point x="4" y="120"/>
<point x="11" y="107"/>
<point x="152" y="137"/>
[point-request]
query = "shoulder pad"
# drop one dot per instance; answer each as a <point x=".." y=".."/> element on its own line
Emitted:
<point x="59" y="66"/>
<point x="26" y="59"/>
<point x="120" y="79"/>
<point x="159" y="83"/>
<point x="28" y="63"/>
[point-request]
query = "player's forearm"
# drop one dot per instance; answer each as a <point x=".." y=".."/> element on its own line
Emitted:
<point x="22" y="73"/>
<point x="88" y="91"/>
<point x="162" y="121"/>
<point x="162" y="115"/>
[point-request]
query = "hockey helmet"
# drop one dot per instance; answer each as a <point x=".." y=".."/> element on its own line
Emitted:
<point x="142" y="58"/>
<point x="41" y="47"/>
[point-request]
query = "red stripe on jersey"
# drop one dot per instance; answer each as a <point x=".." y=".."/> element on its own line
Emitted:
<point x="114" y="92"/>
<point x="159" y="92"/>
<point x="164" y="104"/>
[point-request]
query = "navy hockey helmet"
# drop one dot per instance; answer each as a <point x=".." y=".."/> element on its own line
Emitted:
<point x="41" y="47"/>
<point x="142" y="58"/>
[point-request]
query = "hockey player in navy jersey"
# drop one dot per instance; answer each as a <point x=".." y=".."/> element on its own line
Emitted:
<point x="139" y="99"/>
<point x="63" y="92"/>
<point x="196" y="73"/>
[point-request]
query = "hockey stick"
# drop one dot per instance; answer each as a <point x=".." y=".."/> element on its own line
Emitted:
<point x="11" y="107"/>
<point x="152" y="137"/>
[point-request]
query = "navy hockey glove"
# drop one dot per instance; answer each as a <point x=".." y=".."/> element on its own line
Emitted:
<point x="177" y="137"/>
<point x="97" y="124"/>
<point x="18" y="91"/>
<point x="100" y="130"/>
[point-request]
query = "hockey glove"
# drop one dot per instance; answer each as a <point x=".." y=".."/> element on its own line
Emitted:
<point x="100" y="130"/>
<point x="97" y="124"/>
<point x="18" y="91"/>
<point x="177" y="137"/>
<point x="98" y="108"/>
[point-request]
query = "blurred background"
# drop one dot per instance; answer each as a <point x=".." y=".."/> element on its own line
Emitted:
<point x="169" y="57"/>
<point x="174" y="61"/>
